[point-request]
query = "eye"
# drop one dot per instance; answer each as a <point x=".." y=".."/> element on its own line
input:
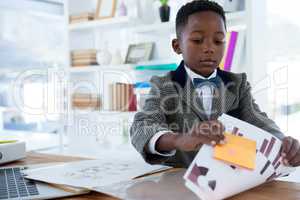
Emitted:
<point x="197" y="40"/>
<point x="219" y="42"/>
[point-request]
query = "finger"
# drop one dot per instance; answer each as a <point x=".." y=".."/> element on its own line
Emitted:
<point x="293" y="151"/>
<point x="223" y="127"/>
<point x="286" y="145"/>
<point x="220" y="139"/>
<point x="217" y="129"/>
<point x="211" y="130"/>
<point x="297" y="164"/>
<point x="213" y="143"/>
<point x="204" y="140"/>
<point x="215" y="138"/>
<point x="208" y="140"/>
<point x="222" y="130"/>
<point x="295" y="159"/>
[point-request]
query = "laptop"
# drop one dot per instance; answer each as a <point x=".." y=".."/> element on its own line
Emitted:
<point x="13" y="186"/>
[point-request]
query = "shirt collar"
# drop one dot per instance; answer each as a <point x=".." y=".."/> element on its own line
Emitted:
<point x="193" y="75"/>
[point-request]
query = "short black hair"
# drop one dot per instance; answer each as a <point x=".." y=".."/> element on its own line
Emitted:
<point x="194" y="7"/>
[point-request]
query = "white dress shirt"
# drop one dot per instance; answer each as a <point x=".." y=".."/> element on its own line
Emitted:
<point x="205" y="93"/>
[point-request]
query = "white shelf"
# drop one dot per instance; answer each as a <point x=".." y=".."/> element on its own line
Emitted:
<point x="117" y="113"/>
<point x="235" y="21"/>
<point x="85" y="69"/>
<point x="103" y="113"/>
<point x="157" y="27"/>
<point x="117" y="22"/>
<point x="237" y="27"/>
<point x="240" y="16"/>
<point x="97" y="68"/>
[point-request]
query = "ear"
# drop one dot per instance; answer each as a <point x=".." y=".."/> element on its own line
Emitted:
<point x="176" y="46"/>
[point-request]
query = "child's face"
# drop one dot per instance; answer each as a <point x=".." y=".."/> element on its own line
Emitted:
<point x="202" y="42"/>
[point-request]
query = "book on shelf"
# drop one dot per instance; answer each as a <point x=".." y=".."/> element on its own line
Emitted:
<point x="118" y="96"/>
<point x="76" y="21"/>
<point x="85" y="57"/>
<point x="83" y="17"/>
<point x="145" y="71"/>
<point x="141" y="90"/>
<point x="86" y="100"/>
<point x="85" y="97"/>
<point x="233" y="49"/>
<point x="83" y="60"/>
<point x="81" y="52"/>
<point x="83" y="64"/>
<point x="112" y="97"/>
<point x="239" y="52"/>
<point x="157" y="66"/>
<point x="132" y="104"/>
<point x="122" y="97"/>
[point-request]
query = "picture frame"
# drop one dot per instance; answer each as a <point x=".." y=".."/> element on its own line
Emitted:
<point x="105" y="9"/>
<point x="139" y="52"/>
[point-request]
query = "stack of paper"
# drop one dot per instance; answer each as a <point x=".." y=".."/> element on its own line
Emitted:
<point x="92" y="173"/>
<point x="215" y="174"/>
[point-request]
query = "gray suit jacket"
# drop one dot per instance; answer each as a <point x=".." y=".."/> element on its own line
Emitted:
<point x="174" y="105"/>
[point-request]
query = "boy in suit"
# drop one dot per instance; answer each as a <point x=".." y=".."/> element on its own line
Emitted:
<point x="181" y="113"/>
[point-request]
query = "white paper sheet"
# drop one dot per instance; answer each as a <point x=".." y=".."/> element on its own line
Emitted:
<point x="92" y="173"/>
<point x="165" y="186"/>
<point x="213" y="179"/>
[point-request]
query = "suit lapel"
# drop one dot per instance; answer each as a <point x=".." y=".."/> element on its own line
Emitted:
<point x="223" y="98"/>
<point x="222" y="101"/>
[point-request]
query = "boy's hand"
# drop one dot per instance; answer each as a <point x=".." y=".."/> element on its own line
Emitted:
<point x="209" y="132"/>
<point x="290" y="152"/>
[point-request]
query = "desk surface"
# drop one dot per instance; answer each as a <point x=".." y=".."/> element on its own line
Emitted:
<point x="269" y="191"/>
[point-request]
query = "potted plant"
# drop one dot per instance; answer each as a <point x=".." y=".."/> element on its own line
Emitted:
<point x="164" y="11"/>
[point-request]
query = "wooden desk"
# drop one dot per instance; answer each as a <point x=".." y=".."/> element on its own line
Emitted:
<point x="270" y="191"/>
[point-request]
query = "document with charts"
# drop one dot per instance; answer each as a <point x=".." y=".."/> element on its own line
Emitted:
<point x="211" y="178"/>
<point x="92" y="173"/>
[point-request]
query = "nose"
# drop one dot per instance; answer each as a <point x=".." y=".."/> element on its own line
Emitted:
<point x="208" y="47"/>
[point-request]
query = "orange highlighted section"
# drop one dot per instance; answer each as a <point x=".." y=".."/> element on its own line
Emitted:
<point x="237" y="151"/>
